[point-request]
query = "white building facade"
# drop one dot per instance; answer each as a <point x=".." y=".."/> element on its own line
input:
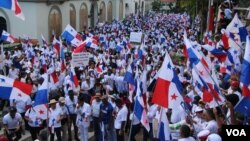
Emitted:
<point x="47" y="16"/>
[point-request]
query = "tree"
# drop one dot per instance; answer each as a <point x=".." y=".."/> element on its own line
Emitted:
<point x="156" y="5"/>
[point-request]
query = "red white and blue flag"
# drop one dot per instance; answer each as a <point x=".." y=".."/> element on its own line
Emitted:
<point x="7" y="37"/>
<point x="56" y="44"/>
<point x="220" y="54"/>
<point x="44" y="41"/>
<point x="245" y="72"/>
<point x="14" y="6"/>
<point x="42" y="92"/>
<point x="71" y="35"/>
<point x="201" y="74"/>
<point x="168" y="88"/>
<point x="140" y="109"/>
<point x="41" y="111"/>
<point x="163" y="130"/>
<point x="236" y="29"/>
<point x="129" y="77"/>
<point x="73" y="77"/>
<point x="13" y="89"/>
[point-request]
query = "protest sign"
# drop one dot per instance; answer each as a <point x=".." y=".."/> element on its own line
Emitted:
<point x="80" y="59"/>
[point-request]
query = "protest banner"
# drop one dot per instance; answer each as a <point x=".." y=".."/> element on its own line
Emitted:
<point x="80" y="59"/>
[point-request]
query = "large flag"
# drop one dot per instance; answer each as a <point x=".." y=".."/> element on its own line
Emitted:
<point x="14" y="6"/>
<point x="245" y="72"/>
<point x="236" y="28"/>
<point x="168" y="88"/>
<point x="13" y="89"/>
<point x="7" y="37"/>
<point x="209" y="87"/>
<point x="140" y="109"/>
<point x="71" y="35"/>
<point x="42" y="92"/>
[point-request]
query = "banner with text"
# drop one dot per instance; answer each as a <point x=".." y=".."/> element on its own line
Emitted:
<point x="80" y="59"/>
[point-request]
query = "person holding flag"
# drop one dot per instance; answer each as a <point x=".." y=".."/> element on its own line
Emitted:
<point x="34" y="121"/>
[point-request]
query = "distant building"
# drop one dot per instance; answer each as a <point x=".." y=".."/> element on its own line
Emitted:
<point x="47" y="16"/>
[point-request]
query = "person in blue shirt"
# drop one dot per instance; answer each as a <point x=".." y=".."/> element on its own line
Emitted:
<point x="106" y="118"/>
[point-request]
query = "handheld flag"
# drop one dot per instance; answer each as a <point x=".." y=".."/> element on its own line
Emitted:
<point x="14" y="6"/>
<point x="245" y="72"/>
<point x="140" y="109"/>
<point x="71" y="35"/>
<point x="168" y="89"/>
<point x="7" y="37"/>
<point x="42" y="92"/>
<point x="13" y="89"/>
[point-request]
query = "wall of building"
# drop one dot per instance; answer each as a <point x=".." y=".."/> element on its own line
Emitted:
<point x="37" y="15"/>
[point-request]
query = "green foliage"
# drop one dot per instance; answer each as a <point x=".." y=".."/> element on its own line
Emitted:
<point x="156" y="5"/>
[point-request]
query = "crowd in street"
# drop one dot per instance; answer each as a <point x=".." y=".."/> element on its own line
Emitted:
<point x="103" y="101"/>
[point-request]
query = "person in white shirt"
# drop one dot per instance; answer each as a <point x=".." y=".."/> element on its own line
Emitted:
<point x="12" y="124"/>
<point x="70" y="103"/>
<point x="55" y="117"/>
<point x="152" y="109"/>
<point x="65" y="117"/>
<point x="210" y="124"/>
<point x="185" y="133"/>
<point x="95" y="106"/>
<point x="120" y="119"/>
<point x="87" y="84"/>
<point x="83" y="111"/>
<point x="13" y="72"/>
<point x="34" y="122"/>
<point x="135" y="126"/>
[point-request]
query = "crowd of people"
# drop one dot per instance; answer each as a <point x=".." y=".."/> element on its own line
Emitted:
<point x="102" y="101"/>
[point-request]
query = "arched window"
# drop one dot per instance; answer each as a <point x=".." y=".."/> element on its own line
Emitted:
<point x="110" y="14"/>
<point x="83" y="17"/>
<point x="102" y="12"/>
<point x="72" y="15"/>
<point x="3" y="25"/>
<point x="136" y="7"/>
<point x="142" y="7"/>
<point x="121" y="10"/>
<point x="55" y="21"/>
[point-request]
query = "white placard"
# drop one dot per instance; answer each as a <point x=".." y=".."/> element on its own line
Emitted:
<point x="135" y="37"/>
<point x="80" y="59"/>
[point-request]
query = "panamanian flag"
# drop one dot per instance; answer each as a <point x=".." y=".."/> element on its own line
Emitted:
<point x="14" y="6"/>
<point x="13" y="89"/>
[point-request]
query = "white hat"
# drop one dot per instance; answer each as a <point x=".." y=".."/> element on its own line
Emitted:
<point x="213" y="137"/>
<point x="198" y="109"/>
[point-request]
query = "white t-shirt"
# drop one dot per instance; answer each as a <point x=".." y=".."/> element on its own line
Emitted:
<point x="71" y="105"/>
<point x="212" y="126"/>
<point x="12" y="123"/>
<point x="96" y="108"/>
<point x="54" y="115"/>
<point x="36" y="120"/>
<point x="187" y="139"/>
<point x="121" y="117"/>
<point x="83" y="115"/>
